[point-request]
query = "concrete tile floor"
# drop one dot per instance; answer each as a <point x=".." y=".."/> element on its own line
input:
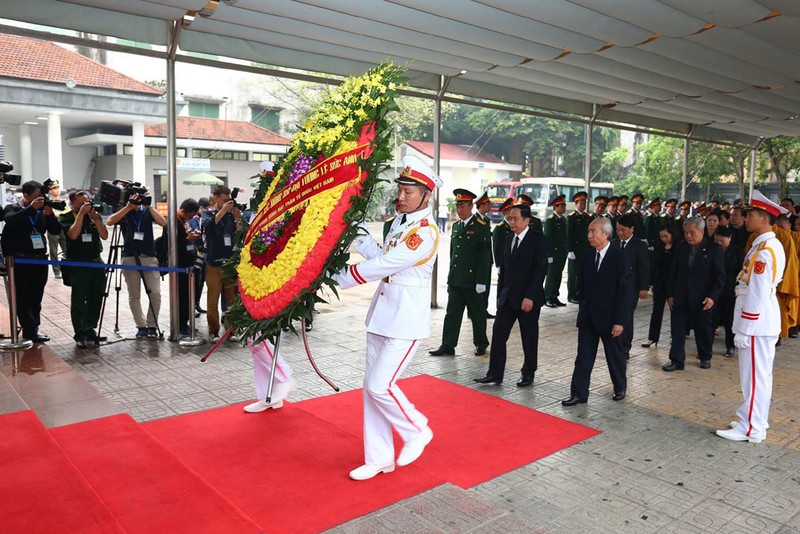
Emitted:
<point x="657" y="467"/>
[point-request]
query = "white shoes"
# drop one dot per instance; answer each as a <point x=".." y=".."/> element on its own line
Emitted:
<point x="735" y="435"/>
<point x="280" y="391"/>
<point x="260" y="406"/>
<point x="413" y="448"/>
<point x="367" y="471"/>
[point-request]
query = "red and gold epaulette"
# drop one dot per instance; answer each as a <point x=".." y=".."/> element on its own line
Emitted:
<point x="424" y="222"/>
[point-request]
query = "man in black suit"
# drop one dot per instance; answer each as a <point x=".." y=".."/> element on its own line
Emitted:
<point x="520" y="296"/>
<point x="639" y="262"/>
<point x="694" y="285"/>
<point x="606" y="300"/>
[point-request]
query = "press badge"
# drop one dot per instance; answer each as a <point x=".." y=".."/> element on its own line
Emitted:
<point x="228" y="240"/>
<point x="190" y="247"/>
<point x="38" y="241"/>
<point x="86" y="238"/>
<point x="138" y="236"/>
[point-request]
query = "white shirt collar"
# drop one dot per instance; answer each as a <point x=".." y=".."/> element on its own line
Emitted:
<point x="521" y="236"/>
<point x="468" y="220"/>
<point x="603" y="252"/>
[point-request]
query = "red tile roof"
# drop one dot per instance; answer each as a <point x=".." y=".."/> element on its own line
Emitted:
<point x="32" y="59"/>
<point x="456" y="152"/>
<point x="218" y="130"/>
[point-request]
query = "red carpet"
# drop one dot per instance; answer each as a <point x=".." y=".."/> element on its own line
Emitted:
<point x="226" y="471"/>
<point x="146" y="488"/>
<point x="40" y="490"/>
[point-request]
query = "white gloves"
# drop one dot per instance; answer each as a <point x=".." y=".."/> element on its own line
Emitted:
<point x="741" y="341"/>
<point x="480" y="288"/>
<point x="571" y="256"/>
<point x="550" y="260"/>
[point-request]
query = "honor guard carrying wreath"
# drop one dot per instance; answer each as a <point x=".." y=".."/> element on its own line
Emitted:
<point x="470" y="264"/>
<point x="399" y="317"/>
<point x="577" y="243"/>
<point x="757" y="320"/>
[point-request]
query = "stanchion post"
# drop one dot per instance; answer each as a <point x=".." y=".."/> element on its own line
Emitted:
<point x="192" y="341"/>
<point x="275" y="351"/>
<point x="14" y="343"/>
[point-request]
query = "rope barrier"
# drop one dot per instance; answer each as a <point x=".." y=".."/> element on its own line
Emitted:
<point x="101" y="265"/>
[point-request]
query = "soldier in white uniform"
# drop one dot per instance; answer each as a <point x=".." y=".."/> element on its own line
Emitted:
<point x="757" y="320"/>
<point x="397" y="320"/>
<point x="284" y="384"/>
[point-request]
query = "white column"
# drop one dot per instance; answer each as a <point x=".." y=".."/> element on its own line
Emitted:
<point x="25" y="168"/>
<point x="55" y="162"/>
<point x="138" y="153"/>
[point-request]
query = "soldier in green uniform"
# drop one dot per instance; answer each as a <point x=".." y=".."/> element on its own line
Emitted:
<point x="483" y="206"/>
<point x="555" y="233"/>
<point x="84" y="230"/>
<point x="600" y="203"/>
<point x="653" y="223"/>
<point x="470" y="261"/>
<point x="536" y="222"/>
<point x="636" y="209"/>
<point x="501" y="230"/>
<point x="612" y="214"/>
<point x="623" y="205"/>
<point x="387" y="224"/>
<point x="578" y="242"/>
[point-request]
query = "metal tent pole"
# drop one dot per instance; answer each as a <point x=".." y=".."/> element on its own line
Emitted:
<point x="444" y="81"/>
<point x="172" y="203"/>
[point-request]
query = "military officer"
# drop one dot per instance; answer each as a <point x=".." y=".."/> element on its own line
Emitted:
<point x="623" y="205"/>
<point x="757" y="320"/>
<point x="636" y="208"/>
<point x="501" y="230"/>
<point x="398" y="319"/>
<point x="653" y="222"/>
<point x="577" y="242"/>
<point x="483" y="206"/>
<point x="600" y="203"/>
<point x="470" y="263"/>
<point x="555" y="233"/>
<point x="612" y="213"/>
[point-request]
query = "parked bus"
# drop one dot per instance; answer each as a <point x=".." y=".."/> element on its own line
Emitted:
<point x="542" y="190"/>
<point x="498" y="193"/>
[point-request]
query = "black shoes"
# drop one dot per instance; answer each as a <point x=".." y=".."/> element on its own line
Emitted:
<point x="524" y="380"/>
<point x="573" y="401"/>
<point x="729" y="353"/>
<point x="672" y="366"/>
<point x="480" y="350"/>
<point x="559" y="303"/>
<point x="618" y="396"/>
<point x="649" y="343"/>
<point x="489" y="315"/>
<point x="706" y="364"/>
<point x="39" y="338"/>
<point x="488" y="380"/>
<point x="199" y="309"/>
<point x="550" y="304"/>
<point x="574" y="301"/>
<point x="443" y="351"/>
<point x="309" y="326"/>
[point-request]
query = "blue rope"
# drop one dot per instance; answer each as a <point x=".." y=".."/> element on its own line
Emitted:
<point x="101" y="265"/>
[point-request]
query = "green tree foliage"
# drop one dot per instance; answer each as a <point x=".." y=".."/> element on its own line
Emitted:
<point x="782" y="154"/>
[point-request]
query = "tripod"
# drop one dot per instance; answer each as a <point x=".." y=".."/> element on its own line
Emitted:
<point x="116" y="274"/>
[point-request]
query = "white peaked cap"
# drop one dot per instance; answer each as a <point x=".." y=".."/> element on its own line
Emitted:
<point x="417" y="172"/>
<point x="759" y="201"/>
<point x="266" y="166"/>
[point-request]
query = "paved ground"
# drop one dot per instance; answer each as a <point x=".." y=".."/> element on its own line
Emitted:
<point x="656" y="467"/>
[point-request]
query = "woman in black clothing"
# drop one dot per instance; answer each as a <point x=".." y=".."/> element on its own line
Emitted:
<point x="661" y="268"/>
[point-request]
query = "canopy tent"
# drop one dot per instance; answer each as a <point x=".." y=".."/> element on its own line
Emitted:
<point x="203" y="178"/>
<point x="721" y="70"/>
<point x="718" y="69"/>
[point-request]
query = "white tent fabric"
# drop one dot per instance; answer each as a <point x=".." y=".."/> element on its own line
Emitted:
<point x="731" y="68"/>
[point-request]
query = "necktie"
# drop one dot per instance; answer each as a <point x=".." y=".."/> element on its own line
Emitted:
<point x="403" y="219"/>
<point x="516" y="244"/>
<point x="597" y="261"/>
<point x="623" y="245"/>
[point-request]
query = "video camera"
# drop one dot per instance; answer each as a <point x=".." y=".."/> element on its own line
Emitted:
<point x="56" y="204"/>
<point x="235" y="193"/>
<point x="5" y="174"/>
<point x="118" y="192"/>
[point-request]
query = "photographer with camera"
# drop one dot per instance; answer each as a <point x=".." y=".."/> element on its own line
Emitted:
<point x="219" y="224"/>
<point x="54" y="241"/>
<point x="24" y="237"/>
<point x="136" y="220"/>
<point x="84" y="229"/>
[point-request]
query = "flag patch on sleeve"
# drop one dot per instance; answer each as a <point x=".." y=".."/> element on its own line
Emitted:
<point x="759" y="267"/>
<point x="414" y="241"/>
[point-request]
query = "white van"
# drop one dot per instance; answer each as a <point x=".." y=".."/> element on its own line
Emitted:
<point x="542" y="190"/>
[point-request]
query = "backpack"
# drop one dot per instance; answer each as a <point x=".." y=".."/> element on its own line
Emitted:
<point x="162" y="251"/>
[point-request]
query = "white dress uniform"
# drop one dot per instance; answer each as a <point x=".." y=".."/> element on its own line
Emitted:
<point x="398" y="318"/>
<point x="263" y="354"/>
<point x="757" y="318"/>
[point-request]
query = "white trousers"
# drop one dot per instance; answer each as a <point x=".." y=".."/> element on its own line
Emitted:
<point x="262" y="366"/>
<point x="755" y="374"/>
<point x="385" y="405"/>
